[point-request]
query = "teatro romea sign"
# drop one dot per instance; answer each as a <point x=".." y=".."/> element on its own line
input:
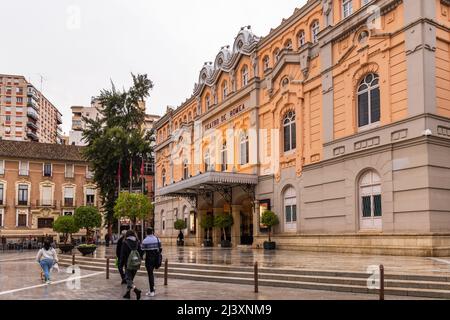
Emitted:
<point x="233" y="112"/>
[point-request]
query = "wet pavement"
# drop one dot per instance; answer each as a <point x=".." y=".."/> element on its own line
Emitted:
<point x="20" y="280"/>
<point x="299" y="259"/>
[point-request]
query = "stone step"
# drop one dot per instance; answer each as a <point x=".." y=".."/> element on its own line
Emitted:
<point x="341" y="284"/>
<point x="286" y="271"/>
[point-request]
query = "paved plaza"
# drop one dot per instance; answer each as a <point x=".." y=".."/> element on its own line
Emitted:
<point x="19" y="276"/>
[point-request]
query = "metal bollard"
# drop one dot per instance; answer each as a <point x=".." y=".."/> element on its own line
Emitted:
<point x="381" y="282"/>
<point x="73" y="264"/>
<point x="107" y="268"/>
<point x="256" y="277"/>
<point x="166" y="271"/>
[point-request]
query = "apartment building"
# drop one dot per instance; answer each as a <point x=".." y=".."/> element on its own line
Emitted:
<point x="338" y="120"/>
<point x="26" y="114"/>
<point x="38" y="184"/>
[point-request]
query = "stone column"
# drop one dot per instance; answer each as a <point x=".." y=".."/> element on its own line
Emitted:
<point x="236" y="229"/>
<point x="256" y="220"/>
<point x="200" y="232"/>
<point x="216" y="231"/>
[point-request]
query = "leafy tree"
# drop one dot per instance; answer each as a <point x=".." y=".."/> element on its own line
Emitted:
<point x="88" y="218"/>
<point x="270" y="219"/>
<point x="223" y="221"/>
<point x="133" y="206"/>
<point x="66" y="225"/>
<point x="116" y="138"/>
<point x="207" y="223"/>
<point x="179" y="225"/>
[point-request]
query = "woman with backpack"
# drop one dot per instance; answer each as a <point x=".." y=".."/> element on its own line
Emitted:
<point x="47" y="258"/>
<point x="131" y="258"/>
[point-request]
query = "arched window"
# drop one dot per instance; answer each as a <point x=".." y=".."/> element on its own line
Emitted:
<point x="224" y="157"/>
<point x="266" y="62"/>
<point x="244" y="76"/>
<point x="301" y="38"/>
<point x="288" y="45"/>
<point x="185" y="169"/>
<point x="315" y="29"/>
<point x="224" y="90"/>
<point x="347" y="8"/>
<point x="208" y="102"/>
<point x="290" y="210"/>
<point x="244" y="149"/>
<point x="190" y="116"/>
<point x="290" y="132"/>
<point x="370" y="201"/>
<point x="163" y="175"/>
<point x="276" y="55"/>
<point x="207" y="161"/>
<point x="369" y="100"/>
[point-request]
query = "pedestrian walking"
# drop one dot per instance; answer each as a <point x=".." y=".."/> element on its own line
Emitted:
<point x="118" y="253"/>
<point x="131" y="258"/>
<point x="47" y="258"/>
<point x="152" y="249"/>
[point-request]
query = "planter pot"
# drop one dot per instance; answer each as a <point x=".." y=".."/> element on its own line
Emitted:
<point x="180" y="243"/>
<point x="270" y="245"/>
<point x="225" y="244"/>
<point x="207" y="243"/>
<point x="66" y="248"/>
<point x="87" y="250"/>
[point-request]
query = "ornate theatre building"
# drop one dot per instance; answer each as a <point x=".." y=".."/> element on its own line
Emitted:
<point x="338" y="121"/>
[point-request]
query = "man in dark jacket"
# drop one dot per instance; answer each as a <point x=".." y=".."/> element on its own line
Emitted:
<point x="130" y="243"/>
<point x="118" y="253"/>
<point x="151" y="246"/>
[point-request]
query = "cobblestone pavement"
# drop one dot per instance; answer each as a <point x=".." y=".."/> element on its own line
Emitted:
<point x="19" y="280"/>
<point x="298" y="259"/>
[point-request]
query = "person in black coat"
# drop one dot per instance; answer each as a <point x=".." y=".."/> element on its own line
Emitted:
<point x="118" y="253"/>
<point x="130" y="243"/>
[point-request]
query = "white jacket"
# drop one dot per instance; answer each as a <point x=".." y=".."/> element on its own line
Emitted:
<point x="47" y="254"/>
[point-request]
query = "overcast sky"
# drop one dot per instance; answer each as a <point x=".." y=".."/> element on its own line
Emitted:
<point x="78" y="46"/>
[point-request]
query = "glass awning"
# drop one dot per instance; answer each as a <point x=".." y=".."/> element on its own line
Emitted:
<point x="209" y="181"/>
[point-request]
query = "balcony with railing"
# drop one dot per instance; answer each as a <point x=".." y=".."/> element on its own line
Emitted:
<point x="32" y="114"/>
<point x="41" y="204"/>
<point x="32" y="125"/>
<point x="58" y="118"/>
<point x="32" y="135"/>
<point x="22" y="203"/>
<point x="32" y="104"/>
<point x="68" y="203"/>
<point x="32" y="93"/>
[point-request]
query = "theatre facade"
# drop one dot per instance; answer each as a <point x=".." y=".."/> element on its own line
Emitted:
<point x="338" y="120"/>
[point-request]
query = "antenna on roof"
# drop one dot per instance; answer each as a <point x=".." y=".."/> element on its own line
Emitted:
<point x="42" y="79"/>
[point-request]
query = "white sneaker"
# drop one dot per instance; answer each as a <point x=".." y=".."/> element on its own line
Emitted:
<point x="150" y="294"/>
<point x="48" y="282"/>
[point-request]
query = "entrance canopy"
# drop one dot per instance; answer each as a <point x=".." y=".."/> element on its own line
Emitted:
<point x="207" y="182"/>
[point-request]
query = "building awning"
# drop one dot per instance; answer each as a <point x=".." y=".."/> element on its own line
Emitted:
<point x="208" y="181"/>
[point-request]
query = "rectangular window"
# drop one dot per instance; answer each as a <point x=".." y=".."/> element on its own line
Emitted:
<point x="378" y="212"/>
<point x="23" y="195"/>
<point x="22" y="220"/>
<point x="90" y="197"/>
<point x="347" y="8"/>
<point x="367" y="207"/>
<point x="375" y="105"/>
<point x="19" y="100"/>
<point x="2" y="193"/>
<point x="2" y="167"/>
<point x="47" y="169"/>
<point x="68" y="213"/>
<point x="69" y="172"/>
<point x="288" y="212"/>
<point x="363" y="109"/>
<point x="1" y="218"/>
<point x="46" y="195"/>
<point x="69" y="196"/>
<point x="45" y="223"/>
<point x="24" y="168"/>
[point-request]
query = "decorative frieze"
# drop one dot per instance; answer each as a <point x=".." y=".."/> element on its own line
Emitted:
<point x="368" y="143"/>
<point x="399" y="135"/>
<point x="443" y="131"/>
<point x="339" y="151"/>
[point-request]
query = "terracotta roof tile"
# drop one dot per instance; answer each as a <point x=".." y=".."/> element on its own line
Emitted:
<point x="41" y="151"/>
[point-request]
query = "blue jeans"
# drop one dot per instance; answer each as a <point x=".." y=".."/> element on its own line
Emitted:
<point x="46" y="265"/>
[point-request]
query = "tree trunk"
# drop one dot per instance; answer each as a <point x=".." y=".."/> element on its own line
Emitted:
<point x="110" y="230"/>
<point x="270" y="234"/>
<point x="224" y="234"/>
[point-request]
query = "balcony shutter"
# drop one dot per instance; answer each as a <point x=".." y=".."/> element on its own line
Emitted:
<point x="46" y="196"/>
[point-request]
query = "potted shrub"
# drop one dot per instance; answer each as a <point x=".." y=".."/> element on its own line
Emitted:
<point x="180" y="225"/>
<point x="207" y="223"/>
<point x="270" y="219"/>
<point x="224" y="221"/>
<point x="87" y="218"/>
<point x="67" y="226"/>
